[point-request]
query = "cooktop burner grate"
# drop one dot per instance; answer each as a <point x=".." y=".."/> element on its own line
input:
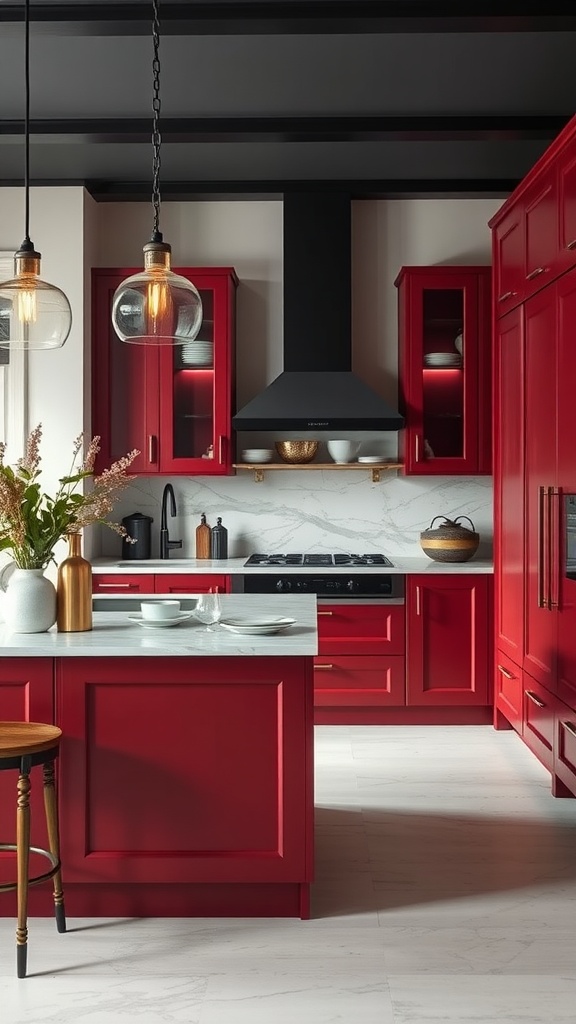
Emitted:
<point x="320" y="561"/>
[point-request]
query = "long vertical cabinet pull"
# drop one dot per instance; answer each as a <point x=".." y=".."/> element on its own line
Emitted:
<point x="555" y="553"/>
<point x="540" y="564"/>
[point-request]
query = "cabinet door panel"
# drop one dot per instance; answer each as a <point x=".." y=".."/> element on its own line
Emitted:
<point x="448" y="640"/>
<point x="361" y="681"/>
<point x="509" y="486"/>
<point x="186" y="770"/>
<point x="541" y="427"/>
<point x="567" y="212"/>
<point x="509" y="693"/>
<point x="508" y="258"/>
<point x="180" y="583"/>
<point x="104" y="583"/>
<point x="538" y="720"/>
<point x="361" y="629"/>
<point x="565" y="749"/>
<point x="447" y="404"/>
<point x="541" y="233"/>
<point x="26" y="695"/>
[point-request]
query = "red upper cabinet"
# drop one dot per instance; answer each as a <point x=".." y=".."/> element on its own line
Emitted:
<point x="508" y="261"/>
<point x="173" y="404"/>
<point x="540" y="210"/>
<point x="445" y="369"/>
<point x="567" y="210"/>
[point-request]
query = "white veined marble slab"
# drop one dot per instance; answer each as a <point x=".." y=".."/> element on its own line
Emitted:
<point x="115" y="635"/>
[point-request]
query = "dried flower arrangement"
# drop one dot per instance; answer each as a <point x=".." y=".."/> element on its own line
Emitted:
<point x="32" y="522"/>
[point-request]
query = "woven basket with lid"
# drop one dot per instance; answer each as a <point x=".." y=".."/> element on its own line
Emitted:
<point x="449" y="542"/>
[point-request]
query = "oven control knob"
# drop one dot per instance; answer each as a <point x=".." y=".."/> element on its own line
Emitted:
<point x="283" y="585"/>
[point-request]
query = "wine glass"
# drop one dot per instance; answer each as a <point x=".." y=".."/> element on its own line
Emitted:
<point x="208" y="609"/>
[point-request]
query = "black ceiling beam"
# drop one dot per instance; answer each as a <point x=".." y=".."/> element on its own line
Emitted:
<point x="403" y="128"/>
<point x="409" y="188"/>
<point x="270" y="17"/>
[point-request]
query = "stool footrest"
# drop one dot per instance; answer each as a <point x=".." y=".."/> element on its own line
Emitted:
<point x="55" y="862"/>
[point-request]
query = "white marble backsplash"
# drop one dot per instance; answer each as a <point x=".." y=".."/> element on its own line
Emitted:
<point x="303" y="511"/>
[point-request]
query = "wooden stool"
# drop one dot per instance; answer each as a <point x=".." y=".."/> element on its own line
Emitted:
<point x="24" y="745"/>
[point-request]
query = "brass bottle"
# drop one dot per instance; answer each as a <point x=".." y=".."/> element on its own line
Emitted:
<point x="203" y="535"/>
<point x="74" y="590"/>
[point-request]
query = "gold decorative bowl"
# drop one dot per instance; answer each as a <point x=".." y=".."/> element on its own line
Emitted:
<point x="296" y="451"/>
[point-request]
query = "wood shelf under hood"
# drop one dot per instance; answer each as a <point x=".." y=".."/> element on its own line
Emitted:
<point x="375" y="468"/>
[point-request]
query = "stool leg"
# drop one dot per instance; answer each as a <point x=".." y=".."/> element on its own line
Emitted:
<point x="22" y="863"/>
<point x="51" y="808"/>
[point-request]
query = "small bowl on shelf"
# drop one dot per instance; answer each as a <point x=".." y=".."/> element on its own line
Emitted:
<point x="296" y="451"/>
<point x="257" y="455"/>
<point x="343" y="452"/>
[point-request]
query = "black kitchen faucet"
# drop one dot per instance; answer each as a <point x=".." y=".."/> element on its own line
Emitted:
<point x="165" y="543"/>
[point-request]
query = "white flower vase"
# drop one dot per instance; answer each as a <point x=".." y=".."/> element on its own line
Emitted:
<point x="30" y="602"/>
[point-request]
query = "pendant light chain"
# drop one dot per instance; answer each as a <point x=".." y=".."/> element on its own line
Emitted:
<point x="27" y="125"/>
<point x="156" y="137"/>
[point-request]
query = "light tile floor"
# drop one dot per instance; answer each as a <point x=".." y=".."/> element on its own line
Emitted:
<point x="445" y="894"/>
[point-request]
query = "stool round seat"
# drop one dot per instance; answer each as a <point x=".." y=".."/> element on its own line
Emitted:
<point x="19" y="738"/>
<point x="23" y="746"/>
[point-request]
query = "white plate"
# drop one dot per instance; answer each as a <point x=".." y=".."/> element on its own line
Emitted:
<point x="256" y="627"/>
<point x="371" y="458"/>
<point x="159" y="623"/>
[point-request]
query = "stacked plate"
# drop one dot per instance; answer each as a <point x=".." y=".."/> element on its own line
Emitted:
<point x="451" y="359"/>
<point x="197" y="353"/>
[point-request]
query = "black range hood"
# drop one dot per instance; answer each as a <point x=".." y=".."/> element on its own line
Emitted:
<point x="317" y="389"/>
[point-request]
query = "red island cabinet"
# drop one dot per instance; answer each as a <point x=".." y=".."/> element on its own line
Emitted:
<point x="186" y="785"/>
<point x="171" y="403"/>
<point x="26" y="695"/>
<point x="448" y="642"/>
<point x="445" y="369"/>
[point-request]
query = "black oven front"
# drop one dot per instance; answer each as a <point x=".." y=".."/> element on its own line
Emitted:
<point x="387" y="586"/>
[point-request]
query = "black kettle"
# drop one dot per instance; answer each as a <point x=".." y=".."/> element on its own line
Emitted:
<point x="138" y="527"/>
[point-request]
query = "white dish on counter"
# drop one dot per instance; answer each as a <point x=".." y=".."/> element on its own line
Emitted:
<point x="175" y="620"/>
<point x="256" y="627"/>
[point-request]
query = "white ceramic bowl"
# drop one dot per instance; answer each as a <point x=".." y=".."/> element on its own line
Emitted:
<point x="257" y="455"/>
<point x="343" y="451"/>
<point x="159" y="611"/>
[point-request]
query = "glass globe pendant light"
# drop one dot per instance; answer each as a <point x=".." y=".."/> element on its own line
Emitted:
<point x="156" y="306"/>
<point x="33" y="314"/>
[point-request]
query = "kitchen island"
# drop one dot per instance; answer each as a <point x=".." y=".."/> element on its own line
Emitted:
<point x="186" y="767"/>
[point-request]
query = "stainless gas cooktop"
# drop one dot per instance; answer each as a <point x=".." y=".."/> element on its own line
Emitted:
<point x="320" y="561"/>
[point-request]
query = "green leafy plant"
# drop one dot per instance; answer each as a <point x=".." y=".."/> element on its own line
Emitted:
<point x="32" y="522"/>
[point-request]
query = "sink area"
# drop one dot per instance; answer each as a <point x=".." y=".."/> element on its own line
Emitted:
<point x="154" y="563"/>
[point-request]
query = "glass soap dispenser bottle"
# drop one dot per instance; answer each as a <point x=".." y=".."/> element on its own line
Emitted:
<point x="219" y="540"/>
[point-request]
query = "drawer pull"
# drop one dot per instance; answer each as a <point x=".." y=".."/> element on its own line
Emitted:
<point x="506" y="295"/>
<point x="325" y="613"/>
<point x="151" y="448"/>
<point x="569" y="728"/>
<point x="535" y="700"/>
<point x="572" y="244"/>
<point x="506" y="673"/>
<point x="325" y="667"/>
<point x="535" y="273"/>
<point x="117" y="586"/>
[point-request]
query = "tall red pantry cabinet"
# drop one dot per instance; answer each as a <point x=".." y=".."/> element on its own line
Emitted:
<point x="534" y="253"/>
<point x="174" y="404"/>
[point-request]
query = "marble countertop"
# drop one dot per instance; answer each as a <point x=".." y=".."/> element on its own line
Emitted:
<point x="115" y="635"/>
<point x="236" y="566"/>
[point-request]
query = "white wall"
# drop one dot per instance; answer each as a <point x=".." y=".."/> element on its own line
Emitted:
<point x="342" y="510"/>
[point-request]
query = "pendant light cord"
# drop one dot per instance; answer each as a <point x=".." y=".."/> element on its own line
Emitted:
<point x="156" y="137"/>
<point x="27" y="243"/>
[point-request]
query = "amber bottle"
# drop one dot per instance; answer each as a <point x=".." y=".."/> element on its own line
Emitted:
<point x="203" y="534"/>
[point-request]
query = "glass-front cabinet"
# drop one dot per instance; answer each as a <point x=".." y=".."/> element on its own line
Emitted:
<point x="445" y="367"/>
<point x="174" y="404"/>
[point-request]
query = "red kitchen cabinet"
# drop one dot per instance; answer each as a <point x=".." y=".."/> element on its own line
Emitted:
<point x="508" y="692"/>
<point x="448" y="640"/>
<point x="509" y="485"/>
<point x="540" y="212"/>
<point x="567" y="210"/>
<point x="172" y="404"/>
<point x="564" y="777"/>
<point x="445" y="394"/>
<point x="26" y="695"/>
<point x="360" y="663"/>
<point x="121" y="583"/>
<point x="178" y="770"/>
<point x="180" y="583"/>
<point x="539" y="708"/>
